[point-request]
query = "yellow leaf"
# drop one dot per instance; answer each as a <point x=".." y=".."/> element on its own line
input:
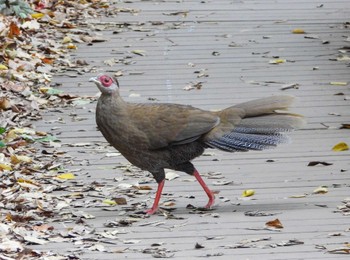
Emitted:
<point x="66" y="176"/>
<point x="320" y="190"/>
<point x="338" y="83"/>
<point x="298" y="31"/>
<point x="21" y="180"/>
<point x="37" y="15"/>
<point x="248" y="193"/>
<point x="5" y="167"/>
<point x="277" y="61"/>
<point x="298" y="196"/>
<point x="3" y="67"/>
<point x="15" y="159"/>
<point x="340" y="147"/>
<point x="109" y="202"/>
<point x="71" y="46"/>
<point x="139" y="52"/>
<point x="67" y="39"/>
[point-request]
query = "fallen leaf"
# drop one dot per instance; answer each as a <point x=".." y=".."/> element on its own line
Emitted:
<point x="183" y="13"/>
<point x="198" y="246"/>
<point x="66" y="176"/>
<point x="258" y="213"/>
<point x="343" y="58"/>
<point x="131" y="241"/>
<point x="248" y="193"/>
<point x="314" y="163"/>
<point x="35" y="240"/>
<point x="298" y="196"/>
<point x="298" y="31"/>
<point x="31" y="25"/>
<point x="338" y="83"/>
<point x="311" y="36"/>
<point x="71" y="46"/>
<point x="66" y="39"/>
<point x="169" y="204"/>
<point x="5" y="167"/>
<point x="341" y="250"/>
<point x="221" y="183"/>
<point x="3" y="67"/>
<point x="120" y="201"/>
<point x="16" y="159"/>
<point x="276" y="223"/>
<point x="277" y="61"/>
<point x="5" y="103"/>
<point x="139" y="52"/>
<point x="10" y="246"/>
<point x="112" y="154"/>
<point x="37" y="15"/>
<point x="340" y="147"/>
<point x="145" y="187"/>
<point x="109" y="202"/>
<point x="320" y="190"/>
<point x="290" y="86"/>
<point x="345" y="126"/>
<point x="14" y="30"/>
<point x="97" y="247"/>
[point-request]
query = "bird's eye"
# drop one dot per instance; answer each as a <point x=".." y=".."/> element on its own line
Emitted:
<point x="106" y="81"/>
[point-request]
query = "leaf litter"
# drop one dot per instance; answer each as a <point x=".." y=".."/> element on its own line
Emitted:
<point x="38" y="96"/>
<point x="39" y="38"/>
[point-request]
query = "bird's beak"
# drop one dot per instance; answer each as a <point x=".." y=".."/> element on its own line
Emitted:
<point x="93" y="79"/>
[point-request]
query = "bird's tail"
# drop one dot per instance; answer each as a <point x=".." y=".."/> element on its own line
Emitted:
<point x="254" y="125"/>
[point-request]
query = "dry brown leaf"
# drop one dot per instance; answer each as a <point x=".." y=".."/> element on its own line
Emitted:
<point x="5" y="103"/>
<point x="14" y="30"/>
<point x="120" y="201"/>
<point x="144" y="187"/>
<point x="276" y="223"/>
<point x="314" y="163"/>
<point x="345" y="126"/>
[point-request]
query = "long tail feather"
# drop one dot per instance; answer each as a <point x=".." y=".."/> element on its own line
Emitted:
<point x="259" y="128"/>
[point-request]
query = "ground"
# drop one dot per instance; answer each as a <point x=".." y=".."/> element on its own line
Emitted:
<point x="209" y="55"/>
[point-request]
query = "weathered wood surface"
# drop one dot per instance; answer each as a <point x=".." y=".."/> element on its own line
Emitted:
<point x="232" y="42"/>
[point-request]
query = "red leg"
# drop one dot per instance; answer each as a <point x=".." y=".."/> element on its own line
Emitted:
<point x="156" y="199"/>
<point x="205" y="188"/>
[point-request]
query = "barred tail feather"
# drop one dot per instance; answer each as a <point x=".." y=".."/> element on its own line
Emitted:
<point x="257" y="133"/>
<point x="242" y="142"/>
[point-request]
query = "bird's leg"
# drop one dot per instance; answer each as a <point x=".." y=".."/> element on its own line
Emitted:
<point x="205" y="188"/>
<point x="157" y="198"/>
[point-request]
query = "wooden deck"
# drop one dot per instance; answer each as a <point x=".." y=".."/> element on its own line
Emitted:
<point x="226" y="47"/>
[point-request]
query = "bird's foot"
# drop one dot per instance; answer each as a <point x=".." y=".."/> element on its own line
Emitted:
<point x="151" y="211"/>
<point x="211" y="201"/>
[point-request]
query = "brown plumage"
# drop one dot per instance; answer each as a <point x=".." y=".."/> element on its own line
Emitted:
<point x="158" y="136"/>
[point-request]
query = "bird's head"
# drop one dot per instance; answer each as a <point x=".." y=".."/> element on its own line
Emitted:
<point x="106" y="84"/>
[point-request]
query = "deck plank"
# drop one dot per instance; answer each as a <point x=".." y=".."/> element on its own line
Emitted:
<point x="175" y="49"/>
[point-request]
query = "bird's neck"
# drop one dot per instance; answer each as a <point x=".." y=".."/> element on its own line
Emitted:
<point x="115" y="101"/>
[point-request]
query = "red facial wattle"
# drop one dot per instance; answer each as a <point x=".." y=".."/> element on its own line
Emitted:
<point x="106" y="81"/>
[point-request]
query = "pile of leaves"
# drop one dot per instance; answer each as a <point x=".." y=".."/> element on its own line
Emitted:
<point x="37" y="39"/>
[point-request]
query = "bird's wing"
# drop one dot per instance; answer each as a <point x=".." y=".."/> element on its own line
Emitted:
<point x="162" y="125"/>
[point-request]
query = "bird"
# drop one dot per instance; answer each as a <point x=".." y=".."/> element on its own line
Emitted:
<point x="159" y="136"/>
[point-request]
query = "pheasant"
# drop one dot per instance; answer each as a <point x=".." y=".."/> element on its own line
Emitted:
<point x="155" y="136"/>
